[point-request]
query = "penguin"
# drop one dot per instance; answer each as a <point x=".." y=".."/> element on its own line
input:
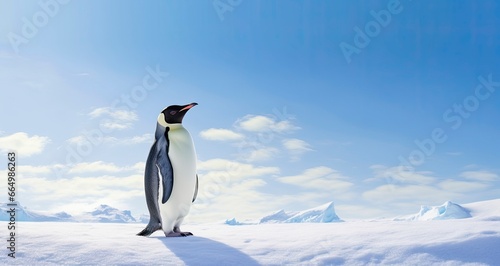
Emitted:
<point x="170" y="179"/>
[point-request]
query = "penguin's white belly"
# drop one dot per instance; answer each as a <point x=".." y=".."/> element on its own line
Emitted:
<point x="182" y="156"/>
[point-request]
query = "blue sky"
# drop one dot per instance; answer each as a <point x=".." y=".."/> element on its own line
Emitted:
<point x="286" y="117"/>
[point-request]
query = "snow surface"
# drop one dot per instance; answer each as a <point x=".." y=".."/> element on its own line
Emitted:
<point x="470" y="241"/>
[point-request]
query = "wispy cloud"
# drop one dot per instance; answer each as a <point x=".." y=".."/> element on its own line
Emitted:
<point x="113" y="118"/>
<point x="296" y="147"/>
<point x="320" y="178"/>
<point x="416" y="194"/>
<point x="37" y="170"/>
<point x="87" y="184"/>
<point x="231" y="188"/>
<point x="103" y="168"/>
<point x="480" y="175"/>
<point x="461" y="186"/>
<point x="220" y="134"/>
<point x="144" y="138"/>
<point x="233" y="169"/>
<point x="78" y="191"/>
<point x="23" y="143"/>
<point x="92" y="167"/>
<point x="406" y="186"/>
<point x="242" y="199"/>
<point x="402" y="174"/>
<point x="261" y="154"/>
<point x="259" y="123"/>
<point x="257" y="138"/>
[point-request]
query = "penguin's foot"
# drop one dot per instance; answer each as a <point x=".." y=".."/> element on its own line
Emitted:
<point x="150" y="228"/>
<point x="178" y="234"/>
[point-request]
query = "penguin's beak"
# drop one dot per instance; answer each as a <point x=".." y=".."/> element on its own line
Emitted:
<point x="189" y="106"/>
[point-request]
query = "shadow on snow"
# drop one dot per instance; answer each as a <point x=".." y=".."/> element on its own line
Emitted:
<point x="194" y="250"/>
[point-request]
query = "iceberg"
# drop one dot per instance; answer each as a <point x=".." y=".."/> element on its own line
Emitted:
<point x="448" y="210"/>
<point x="321" y="214"/>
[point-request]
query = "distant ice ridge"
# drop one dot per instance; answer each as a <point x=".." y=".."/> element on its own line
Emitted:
<point x="102" y="214"/>
<point x="278" y="217"/>
<point x="448" y="210"/>
<point x="321" y="214"/>
<point x="235" y="222"/>
<point x="107" y="214"/>
<point x="23" y="214"/>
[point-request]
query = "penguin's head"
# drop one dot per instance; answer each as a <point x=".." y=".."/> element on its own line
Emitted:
<point x="174" y="114"/>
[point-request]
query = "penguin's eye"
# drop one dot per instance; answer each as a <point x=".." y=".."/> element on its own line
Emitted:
<point x="173" y="112"/>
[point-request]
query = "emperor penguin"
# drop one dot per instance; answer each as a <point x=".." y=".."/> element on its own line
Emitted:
<point x="170" y="179"/>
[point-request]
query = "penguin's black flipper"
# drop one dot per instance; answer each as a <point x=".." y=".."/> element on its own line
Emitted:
<point x="195" y="190"/>
<point x="165" y="166"/>
<point x="151" y="184"/>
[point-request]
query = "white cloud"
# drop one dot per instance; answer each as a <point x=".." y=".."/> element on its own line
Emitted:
<point x="103" y="167"/>
<point x="80" y="191"/>
<point x="241" y="199"/>
<point x="139" y="167"/>
<point x="259" y="123"/>
<point x="35" y="170"/>
<point x="261" y="145"/>
<point x="321" y="178"/>
<point x="115" y="125"/>
<point x="399" y="194"/>
<point x="144" y="138"/>
<point x="262" y="154"/>
<point x="296" y="147"/>
<point x="232" y="170"/>
<point x="92" y="167"/>
<point x="402" y="174"/>
<point x="123" y="115"/>
<point x="57" y="187"/>
<point x="114" y="119"/>
<point x="23" y="144"/>
<point x="232" y="189"/>
<point x="220" y="134"/>
<point x="479" y="175"/>
<point x="83" y="139"/>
